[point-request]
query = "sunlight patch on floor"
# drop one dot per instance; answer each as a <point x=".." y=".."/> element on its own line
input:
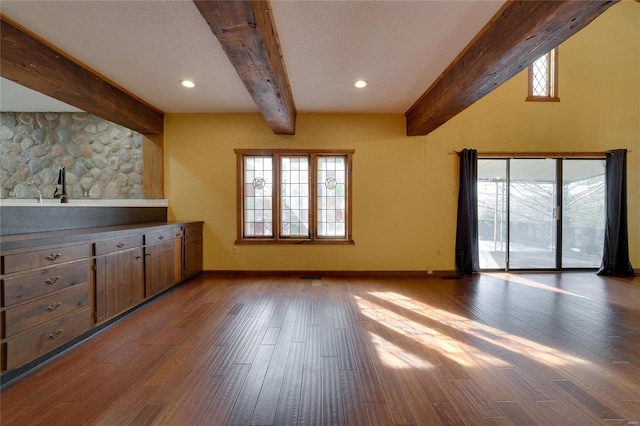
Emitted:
<point x="396" y="357"/>
<point x="493" y="336"/>
<point x="511" y="278"/>
<point x="428" y="338"/>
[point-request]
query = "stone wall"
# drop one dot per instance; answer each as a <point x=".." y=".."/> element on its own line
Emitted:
<point x="102" y="160"/>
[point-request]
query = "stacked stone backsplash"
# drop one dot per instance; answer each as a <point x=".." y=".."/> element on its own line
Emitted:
<point x="102" y="160"/>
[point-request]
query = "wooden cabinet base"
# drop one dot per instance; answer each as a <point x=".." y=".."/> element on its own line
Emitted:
<point x="55" y="292"/>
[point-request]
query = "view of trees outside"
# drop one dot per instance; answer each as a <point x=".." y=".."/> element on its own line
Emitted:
<point x="530" y="205"/>
<point x="583" y="215"/>
<point x="532" y="212"/>
<point x="492" y="213"/>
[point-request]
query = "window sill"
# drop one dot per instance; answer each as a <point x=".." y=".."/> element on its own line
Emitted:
<point x="542" y="99"/>
<point x="269" y="241"/>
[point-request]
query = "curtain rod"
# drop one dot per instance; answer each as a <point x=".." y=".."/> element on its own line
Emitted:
<point x="542" y="154"/>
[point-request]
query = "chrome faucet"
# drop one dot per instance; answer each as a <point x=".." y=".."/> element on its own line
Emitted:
<point x="64" y="198"/>
<point x="39" y="197"/>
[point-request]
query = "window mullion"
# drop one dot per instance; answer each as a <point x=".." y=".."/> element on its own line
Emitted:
<point x="240" y="227"/>
<point x="553" y="73"/>
<point x="313" y="174"/>
<point x="348" y="199"/>
<point x="549" y="74"/>
<point x="276" y="194"/>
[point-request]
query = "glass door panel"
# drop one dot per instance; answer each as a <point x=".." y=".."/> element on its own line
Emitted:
<point x="492" y="213"/>
<point x="532" y="214"/>
<point x="583" y="213"/>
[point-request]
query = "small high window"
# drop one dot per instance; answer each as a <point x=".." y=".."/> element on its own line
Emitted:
<point x="543" y="78"/>
<point x="288" y="196"/>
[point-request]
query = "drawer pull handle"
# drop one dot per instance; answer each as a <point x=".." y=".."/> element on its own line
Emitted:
<point x="55" y="334"/>
<point x="138" y="257"/>
<point x="178" y="234"/>
<point x="53" y="306"/>
<point x="148" y="254"/>
<point x="161" y="237"/>
<point x="53" y="256"/>
<point x="51" y="280"/>
<point x="120" y="245"/>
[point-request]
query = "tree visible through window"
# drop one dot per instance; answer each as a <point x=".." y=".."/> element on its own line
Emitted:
<point x="294" y="196"/>
<point x="543" y="78"/>
<point x="541" y="213"/>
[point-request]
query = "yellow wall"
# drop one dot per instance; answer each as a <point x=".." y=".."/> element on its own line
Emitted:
<point x="405" y="188"/>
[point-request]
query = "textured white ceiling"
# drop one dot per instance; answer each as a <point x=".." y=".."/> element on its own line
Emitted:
<point x="147" y="46"/>
<point x="14" y="97"/>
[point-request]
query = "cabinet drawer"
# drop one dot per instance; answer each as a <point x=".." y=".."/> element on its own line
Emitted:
<point x="39" y="258"/>
<point x="46" y="337"/>
<point x="45" y="309"/>
<point x="158" y="237"/>
<point x="109" y="246"/>
<point x="192" y="230"/>
<point x="21" y="288"/>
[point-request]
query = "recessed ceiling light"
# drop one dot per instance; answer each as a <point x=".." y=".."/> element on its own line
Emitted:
<point x="187" y="83"/>
<point x="361" y="83"/>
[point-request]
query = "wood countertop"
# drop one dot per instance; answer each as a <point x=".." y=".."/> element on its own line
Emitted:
<point x="18" y="241"/>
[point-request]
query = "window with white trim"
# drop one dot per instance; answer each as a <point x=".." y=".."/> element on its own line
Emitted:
<point x="294" y="196"/>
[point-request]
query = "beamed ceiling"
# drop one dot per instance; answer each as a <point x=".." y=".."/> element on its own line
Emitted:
<point x="122" y="60"/>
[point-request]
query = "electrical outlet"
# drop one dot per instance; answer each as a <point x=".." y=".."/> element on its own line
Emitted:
<point x="429" y="270"/>
<point x="438" y="252"/>
<point x="234" y="250"/>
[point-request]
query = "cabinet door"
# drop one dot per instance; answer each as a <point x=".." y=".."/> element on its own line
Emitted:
<point x="131" y="278"/>
<point x="119" y="282"/>
<point x="106" y="273"/>
<point x="178" y="254"/>
<point x="192" y="249"/>
<point x="159" y="267"/>
<point x="192" y="255"/>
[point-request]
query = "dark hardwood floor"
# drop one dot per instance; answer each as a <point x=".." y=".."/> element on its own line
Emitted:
<point x="554" y="349"/>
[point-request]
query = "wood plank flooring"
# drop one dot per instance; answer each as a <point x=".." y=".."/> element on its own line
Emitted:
<point x="493" y="349"/>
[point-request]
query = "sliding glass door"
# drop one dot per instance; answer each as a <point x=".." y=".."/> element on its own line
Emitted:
<point x="527" y="220"/>
<point x="532" y="214"/>
<point x="492" y="213"/>
<point x="583" y="213"/>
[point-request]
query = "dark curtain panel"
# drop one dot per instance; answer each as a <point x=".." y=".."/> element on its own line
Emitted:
<point x="467" y="259"/>
<point x="615" y="257"/>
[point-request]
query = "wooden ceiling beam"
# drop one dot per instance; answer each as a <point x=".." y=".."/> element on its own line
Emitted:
<point x="518" y="34"/>
<point x="247" y="33"/>
<point x="33" y="63"/>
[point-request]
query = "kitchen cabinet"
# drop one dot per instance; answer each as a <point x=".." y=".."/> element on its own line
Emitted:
<point x="119" y="276"/>
<point x="160" y="260"/>
<point x="46" y="300"/>
<point x="192" y="250"/>
<point x="56" y="287"/>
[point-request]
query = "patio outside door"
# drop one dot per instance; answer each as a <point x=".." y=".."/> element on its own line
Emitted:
<point x="532" y="214"/>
